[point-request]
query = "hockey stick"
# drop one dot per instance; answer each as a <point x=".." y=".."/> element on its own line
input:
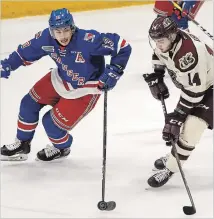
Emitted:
<point x="194" y="21"/>
<point x="103" y="205"/>
<point x="188" y="210"/>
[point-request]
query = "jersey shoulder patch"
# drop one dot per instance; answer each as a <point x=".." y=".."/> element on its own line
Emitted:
<point x="89" y="37"/>
<point x="187" y="57"/>
<point x="38" y="35"/>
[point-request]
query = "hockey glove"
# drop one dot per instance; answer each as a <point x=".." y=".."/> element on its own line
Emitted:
<point x="5" y="70"/>
<point x="110" y="77"/>
<point x="156" y="84"/>
<point x="173" y="123"/>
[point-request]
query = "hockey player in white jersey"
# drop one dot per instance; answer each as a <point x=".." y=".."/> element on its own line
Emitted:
<point x="189" y="62"/>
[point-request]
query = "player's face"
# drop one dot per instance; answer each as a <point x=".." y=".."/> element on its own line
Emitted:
<point x="164" y="44"/>
<point x="63" y="35"/>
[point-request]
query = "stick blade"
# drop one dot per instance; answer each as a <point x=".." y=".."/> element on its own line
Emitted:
<point x="16" y="157"/>
<point x="111" y="205"/>
<point x="189" y="210"/>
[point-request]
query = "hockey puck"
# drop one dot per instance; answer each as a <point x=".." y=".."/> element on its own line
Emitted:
<point x="111" y="206"/>
<point x="189" y="210"/>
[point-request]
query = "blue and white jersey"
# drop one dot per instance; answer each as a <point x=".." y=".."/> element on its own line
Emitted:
<point x="79" y="64"/>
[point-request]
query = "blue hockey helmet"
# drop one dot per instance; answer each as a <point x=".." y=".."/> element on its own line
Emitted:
<point x="61" y="18"/>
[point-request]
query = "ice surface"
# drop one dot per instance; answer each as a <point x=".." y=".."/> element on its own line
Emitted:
<point x="72" y="188"/>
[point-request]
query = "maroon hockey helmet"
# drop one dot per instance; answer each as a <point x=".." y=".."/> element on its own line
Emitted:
<point x="162" y="27"/>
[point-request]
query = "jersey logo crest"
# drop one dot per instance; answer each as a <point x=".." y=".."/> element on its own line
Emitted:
<point x="186" y="61"/>
<point x="89" y="37"/>
<point x="79" y="58"/>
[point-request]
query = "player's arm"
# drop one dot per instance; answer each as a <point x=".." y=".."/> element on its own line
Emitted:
<point x="25" y="54"/>
<point x="193" y="90"/>
<point x="114" y="45"/>
<point x="155" y="79"/>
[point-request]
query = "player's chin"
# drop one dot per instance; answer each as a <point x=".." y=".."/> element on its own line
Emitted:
<point x="64" y="42"/>
<point x="164" y="50"/>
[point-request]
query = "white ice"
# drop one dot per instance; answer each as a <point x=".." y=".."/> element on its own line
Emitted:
<point x="72" y="188"/>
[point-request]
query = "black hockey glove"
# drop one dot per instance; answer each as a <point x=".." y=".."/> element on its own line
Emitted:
<point x="157" y="85"/>
<point x="173" y="123"/>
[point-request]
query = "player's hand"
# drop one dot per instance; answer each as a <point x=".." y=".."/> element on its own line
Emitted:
<point x="109" y="77"/>
<point x="156" y="84"/>
<point x="4" y="70"/>
<point x="173" y="123"/>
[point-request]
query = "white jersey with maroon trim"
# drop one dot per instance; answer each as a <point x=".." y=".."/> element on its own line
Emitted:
<point x="190" y="65"/>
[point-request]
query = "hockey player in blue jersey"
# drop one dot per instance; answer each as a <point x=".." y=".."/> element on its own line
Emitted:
<point x="72" y="89"/>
